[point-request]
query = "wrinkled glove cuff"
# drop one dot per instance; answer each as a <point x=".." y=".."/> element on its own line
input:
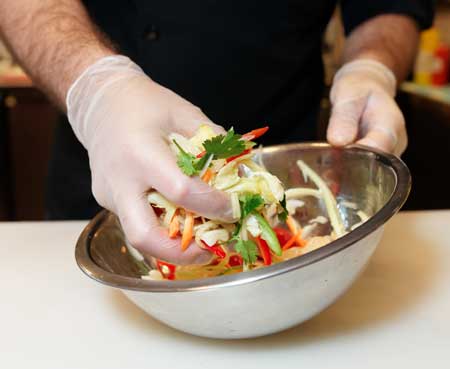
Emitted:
<point x="378" y="71"/>
<point x="89" y="87"/>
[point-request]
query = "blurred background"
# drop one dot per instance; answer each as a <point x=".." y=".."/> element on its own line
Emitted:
<point x="27" y="121"/>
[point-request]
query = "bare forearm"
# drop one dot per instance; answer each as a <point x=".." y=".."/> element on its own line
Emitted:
<point x="389" y="39"/>
<point x="54" y="40"/>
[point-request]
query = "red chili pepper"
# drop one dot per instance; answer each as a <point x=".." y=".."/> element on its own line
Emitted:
<point x="231" y="158"/>
<point x="169" y="273"/>
<point x="283" y="235"/>
<point x="216" y="250"/>
<point x="254" y="133"/>
<point x="202" y="154"/>
<point x="264" y="251"/>
<point x="235" y="260"/>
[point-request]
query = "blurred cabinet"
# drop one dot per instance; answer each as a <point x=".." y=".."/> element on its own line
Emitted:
<point x="27" y="122"/>
<point x="428" y="152"/>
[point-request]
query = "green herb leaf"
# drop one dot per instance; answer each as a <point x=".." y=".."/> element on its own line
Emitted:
<point x="186" y="161"/>
<point x="249" y="203"/>
<point x="284" y="214"/>
<point x="247" y="249"/>
<point x="223" y="147"/>
<point x="200" y="163"/>
<point x="235" y="235"/>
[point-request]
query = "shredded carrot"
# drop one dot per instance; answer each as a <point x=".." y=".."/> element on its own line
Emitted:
<point x="291" y="225"/>
<point x="297" y="232"/>
<point x="188" y="231"/>
<point x="174" y="226"/>
<point x="299" y="240"/>
<point x="207" y="176"/>
<point x="290" y="242"/>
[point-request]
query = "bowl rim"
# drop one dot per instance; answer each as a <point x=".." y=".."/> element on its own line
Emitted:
<point x="392" y="206"/>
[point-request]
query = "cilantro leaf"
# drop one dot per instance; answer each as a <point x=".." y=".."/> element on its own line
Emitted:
<point x="219" y="147"/>
<point x="247" y="249"/>
<point x="249" y="203"/>
<point x="188" y="163"/>
<point x="185" y="161"/>
<point x="200" y="163"/>
<point x="235" y="234"/>
<point x="223" y="147"/>
<point x="284" y="214"/>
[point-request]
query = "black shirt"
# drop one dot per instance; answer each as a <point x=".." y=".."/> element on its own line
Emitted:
<point x="245" y="63"/>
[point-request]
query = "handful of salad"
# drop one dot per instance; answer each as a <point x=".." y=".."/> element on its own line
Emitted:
<point x="265" y="231"/>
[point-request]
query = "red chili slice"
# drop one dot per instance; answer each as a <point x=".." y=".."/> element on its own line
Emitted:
<point x="283" y="235"/>
<point x="170" y="272"/>
<point x="258" y="132"/>
<point x="235" y="260"/>
<point x="231" y="158"/>
<point x="264" y="251"/>
<point x="216" y="250"/>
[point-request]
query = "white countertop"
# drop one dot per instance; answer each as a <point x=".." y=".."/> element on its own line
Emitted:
<point x="396" y="315"/>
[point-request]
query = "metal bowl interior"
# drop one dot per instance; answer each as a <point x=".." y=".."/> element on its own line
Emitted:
<point x="376" y="182"/>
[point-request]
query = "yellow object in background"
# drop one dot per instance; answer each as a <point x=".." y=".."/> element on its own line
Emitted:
<point x="424" y="67"/>
<point x="430" y="40"/>
<point x="432" y="66"/>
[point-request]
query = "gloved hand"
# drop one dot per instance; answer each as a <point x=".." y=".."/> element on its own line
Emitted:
<point x="364" y="109"/>
<point x="123" y="119"/>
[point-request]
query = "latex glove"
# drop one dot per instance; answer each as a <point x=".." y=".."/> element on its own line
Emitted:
<point x="123" y="119"/>
<point x="364" y="109"/>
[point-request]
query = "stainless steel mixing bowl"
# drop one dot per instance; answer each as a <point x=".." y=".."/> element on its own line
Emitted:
<point x="274" y="298"/>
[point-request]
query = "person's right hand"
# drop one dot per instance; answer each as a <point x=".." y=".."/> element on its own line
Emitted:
<point x="123" y="119"/>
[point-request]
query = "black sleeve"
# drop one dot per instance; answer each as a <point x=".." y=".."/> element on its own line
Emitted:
<point x="355" y="12"/>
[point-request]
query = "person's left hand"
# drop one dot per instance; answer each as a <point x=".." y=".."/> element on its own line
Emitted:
<point x="364" y="110"/>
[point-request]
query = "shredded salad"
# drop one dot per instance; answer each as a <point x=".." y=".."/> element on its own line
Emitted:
<point x="265" y="232"/>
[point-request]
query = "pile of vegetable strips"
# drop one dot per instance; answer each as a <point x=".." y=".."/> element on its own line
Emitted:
<point x="265" y="231"/>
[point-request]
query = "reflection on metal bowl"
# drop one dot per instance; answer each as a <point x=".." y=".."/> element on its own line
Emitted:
<point x="280" y="296"/>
